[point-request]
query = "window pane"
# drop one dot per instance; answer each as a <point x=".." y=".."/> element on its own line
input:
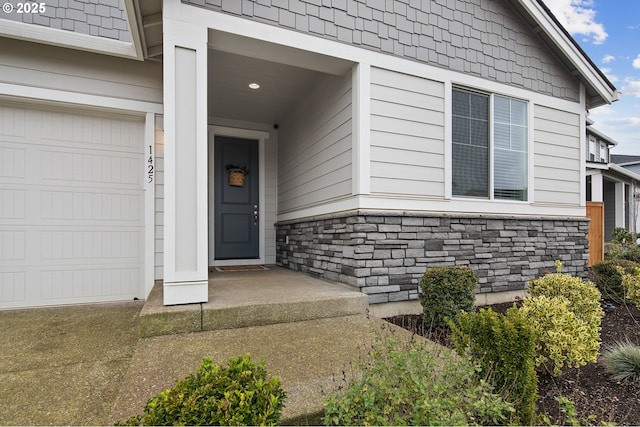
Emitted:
<point x="470" y="171"/>
<point x="470" y="144"/>
<point x="510" y="167"/>
<point x="478" y="106"/>
<point x="502" y="136"/>
<point x="502" y="109"/>
<point x="461" y="130"/>
<point x="479" y="133"/>
<point x="510" y="175"/>
<point x="519" y="138"/>
<point x="461" y="103"/>
<point x="518" y="112"/>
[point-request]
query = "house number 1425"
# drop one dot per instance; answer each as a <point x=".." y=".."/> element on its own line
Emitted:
<point x="150" y="165"/>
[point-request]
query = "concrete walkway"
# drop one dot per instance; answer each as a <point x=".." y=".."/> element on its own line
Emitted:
<point x="87" y="365"/>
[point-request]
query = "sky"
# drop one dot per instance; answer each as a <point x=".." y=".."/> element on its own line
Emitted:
<point x="609" y="32"/>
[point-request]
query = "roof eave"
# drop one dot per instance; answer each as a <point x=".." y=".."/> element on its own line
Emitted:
<point x="600" y="91"/>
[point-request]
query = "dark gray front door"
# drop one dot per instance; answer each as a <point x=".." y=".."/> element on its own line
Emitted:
<point x="236" y="203"/>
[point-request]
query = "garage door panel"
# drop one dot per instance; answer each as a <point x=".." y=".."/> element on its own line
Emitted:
<point x="12" y="203"/>
<point x="12" y="162"/>
<point x="72" y="130"/>
<point x="93" y="206"/>
<point x="71" y="208"/>
<point x="80" y="168"/>
<point x="12" y="288"/>
<point x="80" y="284"/>
<point x="12" y="122"/>
<point x="91" y="245"/>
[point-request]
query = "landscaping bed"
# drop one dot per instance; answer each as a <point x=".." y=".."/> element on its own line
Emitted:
<point x="597" y="398"/>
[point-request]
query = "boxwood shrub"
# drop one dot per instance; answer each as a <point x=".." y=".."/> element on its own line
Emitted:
<point x="240" y="394"/>
<point x="445" y="292"/>
<point x="609" y="280"/>
<point x="505" y="346"/>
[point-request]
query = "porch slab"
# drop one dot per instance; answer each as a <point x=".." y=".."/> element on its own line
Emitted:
<point x="239" y="299"/>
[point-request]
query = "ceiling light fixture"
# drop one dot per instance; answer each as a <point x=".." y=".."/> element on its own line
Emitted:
<point x="254" y="85"/>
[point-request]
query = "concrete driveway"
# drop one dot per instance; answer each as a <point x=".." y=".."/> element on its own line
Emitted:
<point x="65" y="365"/>
<point x="85" y="365"/>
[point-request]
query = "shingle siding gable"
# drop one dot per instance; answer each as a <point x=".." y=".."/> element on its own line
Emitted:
<point x="101" y="18"/>
<point x="479" y="37"/>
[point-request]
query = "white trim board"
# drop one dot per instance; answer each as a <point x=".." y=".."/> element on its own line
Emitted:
<point x="425" y="206"/>
<point x="97" y="102"/>
<point x="69" y="39"/>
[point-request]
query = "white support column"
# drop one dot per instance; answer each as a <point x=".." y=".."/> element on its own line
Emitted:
<point x="149" y="201"/>
<point x="619" y="193"/>
<point x="597" y="188"/>
<point x="361" y="129"/>
<point x="185" y="120"/>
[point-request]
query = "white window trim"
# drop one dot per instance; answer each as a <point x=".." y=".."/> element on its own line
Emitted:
<point x="449" y="144"/>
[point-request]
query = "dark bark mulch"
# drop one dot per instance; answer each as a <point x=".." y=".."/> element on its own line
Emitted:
<point x="596" y="396"/>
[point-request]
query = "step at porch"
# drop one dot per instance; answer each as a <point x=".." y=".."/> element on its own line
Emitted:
<point x="252" y="297"/>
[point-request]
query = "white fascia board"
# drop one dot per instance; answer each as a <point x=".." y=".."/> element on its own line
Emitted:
<point x="608" y="140"/>
<point x="570" y="51"/>
<point x="596" y="166"/>
<point x="37" y="94"/>
<point x="624" y="172"/>
<point x="134" y="30"/>
<point x="69" y="39"/>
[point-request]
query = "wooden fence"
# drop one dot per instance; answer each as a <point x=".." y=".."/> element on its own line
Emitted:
<point x="595" y="211"/>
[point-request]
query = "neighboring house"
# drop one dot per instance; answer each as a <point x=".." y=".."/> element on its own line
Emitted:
<point x="630" y="166"/>
<point x="629" y="162"/>
<point x="612" y="189"/>
<point x="373" y="139"/>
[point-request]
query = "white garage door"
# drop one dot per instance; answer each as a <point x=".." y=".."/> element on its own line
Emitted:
<point x="71" y="207"/>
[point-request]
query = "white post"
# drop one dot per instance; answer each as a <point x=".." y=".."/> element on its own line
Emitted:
<point x="619" y="193"/>
<point x="361" y="131"/>
<point x="597" y="188"/>
<point x="185" y="121"/>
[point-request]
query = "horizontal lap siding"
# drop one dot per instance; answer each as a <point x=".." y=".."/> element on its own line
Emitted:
<point x="407" y="135"/>
<point x="556" y="156"/>
<point x="314" y="158"/>
<point x="50" y="67"/>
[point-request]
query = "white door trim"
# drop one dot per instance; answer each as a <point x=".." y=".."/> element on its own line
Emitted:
<point x="261" y="136"/>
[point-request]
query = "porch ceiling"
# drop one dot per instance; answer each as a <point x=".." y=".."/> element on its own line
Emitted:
<point x="281" y="87"/>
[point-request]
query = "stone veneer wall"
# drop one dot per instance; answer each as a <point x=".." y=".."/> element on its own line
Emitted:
<point x="386" y="253"/>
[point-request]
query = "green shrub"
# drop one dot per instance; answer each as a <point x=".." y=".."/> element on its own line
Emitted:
<point x="240" y="394"/>
<point x="445" y="292"/>
<point x="412" y="384"/>
<point x="504" y="345"/>
<point x="583" y="299"/>
<point x="623" y="246"/>
<point x="621" y="235"/>
<point x="631" y="285"/>
<point x="562" y="339"/>
<point x="623" y="362"/>
<point x="609" y="279"/>
<point x="583" y="296"/>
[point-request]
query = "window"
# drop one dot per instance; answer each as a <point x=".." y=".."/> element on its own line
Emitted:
<point x="490" y="146"/>
<point x="603" y="153"/>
